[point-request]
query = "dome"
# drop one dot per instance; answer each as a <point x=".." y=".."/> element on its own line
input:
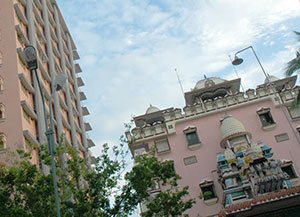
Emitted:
<point x="272" y="78"/>
<point x="231" y="127"/>
<point x="151" y="109"/>
<point x="208" y="82"/>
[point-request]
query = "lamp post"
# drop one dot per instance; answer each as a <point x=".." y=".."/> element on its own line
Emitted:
<point x="31" y="60"/>
<point x="238" y="61"/>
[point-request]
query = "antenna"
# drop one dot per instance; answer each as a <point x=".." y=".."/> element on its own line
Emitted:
<point x="179" y="81"/>
<point x="236" y="72"/>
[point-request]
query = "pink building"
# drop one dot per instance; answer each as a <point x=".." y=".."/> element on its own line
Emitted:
<point x="41" y="24"/>
<point x="237" y="151"/>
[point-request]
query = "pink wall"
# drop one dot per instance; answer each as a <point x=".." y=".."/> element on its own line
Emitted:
<point x="209" y="132"/>
<point x="12" y="126"/>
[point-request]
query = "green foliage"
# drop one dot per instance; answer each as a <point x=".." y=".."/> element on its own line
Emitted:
<point x="87" y="191"/>
<point x="207" y="195"/>
<point x="292" y="67"/>
<point x="25" y="191"/>
<point x="149" y="172"/>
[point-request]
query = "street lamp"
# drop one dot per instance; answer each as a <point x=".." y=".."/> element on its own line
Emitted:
<point x="238" y="61"/>
<point x="31" y="60"/>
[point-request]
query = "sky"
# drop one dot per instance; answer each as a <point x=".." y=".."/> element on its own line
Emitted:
<point x="129" y="50"/>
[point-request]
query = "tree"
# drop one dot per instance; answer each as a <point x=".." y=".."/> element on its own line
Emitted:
<point x="89" y="191"/>
<point x="149" y="172"/>
<point x="292" y="67"/>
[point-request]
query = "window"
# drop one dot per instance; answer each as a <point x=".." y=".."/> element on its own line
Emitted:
<point x="162" y="146"/>
<point x="155" y="187"/>
<point x="2" y="141"/>
<point x="139" y="151"/>
<point x="2" y="110"/>
<point x="208" y="191"/>
<point x="191" y="136"/>
<point x="289" y="169"/>
<point x="190" y="160"/>
<point x="265" y="117"/>
<point x="1" y="84"/>
<point x="282" y="137"/>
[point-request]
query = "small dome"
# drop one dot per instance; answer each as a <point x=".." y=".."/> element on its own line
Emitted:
<point x="151" y="109"/>
<point x="272" y="78"/>
<point x="231" y="127"/>
<point x="208" y="82"/>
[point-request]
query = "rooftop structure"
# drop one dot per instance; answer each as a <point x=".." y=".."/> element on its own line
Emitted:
<point x="236" y="150"/>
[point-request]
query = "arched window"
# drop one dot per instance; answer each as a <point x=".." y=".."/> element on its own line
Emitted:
<point x="2" y="110"/>
<point x="2" y="141"/>
<point x="0" y="58"/>
<point x="1" y="84"/>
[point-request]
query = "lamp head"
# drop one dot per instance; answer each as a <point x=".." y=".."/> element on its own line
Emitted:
<point x="30" y="57"/>
<point x="237" y="61"/>
<point x="60" y="81"/>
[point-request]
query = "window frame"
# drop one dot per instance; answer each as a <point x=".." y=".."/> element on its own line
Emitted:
<point x="2" y="142"/>
<point x="191" y="130"/>
<point x="278" y="139"/>
<point x="2" y="111"/>
<point x="266" y="113"/>
<point x="291" y="167"/>
<point x="160" y="141"/>
<point x="190" y="157"/>
<point x="208" y="184"/>
<point x="1" y="84"/>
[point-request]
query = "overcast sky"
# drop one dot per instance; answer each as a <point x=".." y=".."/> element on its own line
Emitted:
<point x="130" y="48"/>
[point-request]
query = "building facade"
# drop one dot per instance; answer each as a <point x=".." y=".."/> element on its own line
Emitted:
<point x="22" y="125"/>
<point x="237" y="151"/>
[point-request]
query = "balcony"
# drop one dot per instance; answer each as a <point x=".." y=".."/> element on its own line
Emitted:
<point x="55" y="50"/>
<point x="85" y="111"/>
<point x="23" y="38"/>
<point x="77" y="68"/>
<point x="65" y="47"/>
<point x="82" y="96"/>
<point x="65" y="122"/>
<point x="62" y="103"/>
<point x="38" y="16"/>
<point x="90" y="143"/>
<point x="30" y="138"/>
<point x="41" y="52"/>
<point x="75" y="55"/>
<point x="38" y="4"/>
<point x="20" y="14"/>
<point x="39" y="34"/>
<point x="80" y="82"/>
<point x="26" y="83"/>
<point x="28" y="109"/>
<point x="21" y="55"/>
<point x="43" y="70"/>
<point x="87" y="126"/>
